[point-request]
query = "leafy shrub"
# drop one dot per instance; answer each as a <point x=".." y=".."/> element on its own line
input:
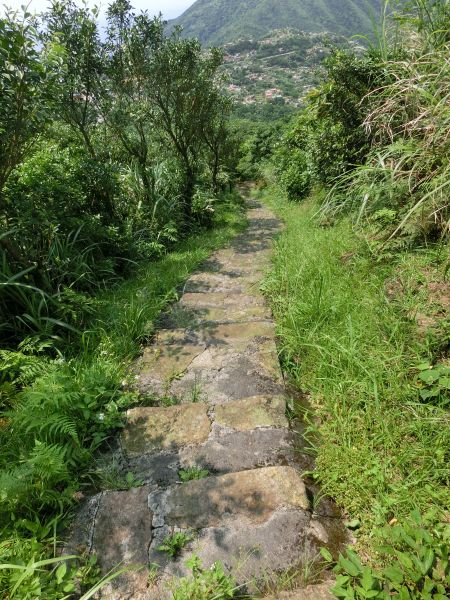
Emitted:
<point x="336" y="138"/>
<point x="292" y="162"/>
<point x="417" y="566"/>
<point x="57" y="423"/>
<point x="203" y="206"/>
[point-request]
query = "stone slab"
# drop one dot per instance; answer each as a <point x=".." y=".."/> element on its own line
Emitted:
<point x="225" y="453"/>
<point x="123" y="528"/>
<point x="254" y="495"/>
<point x="117" y="526"/>
<point x="219" y="282"/>
<point x="252" y="551"/>
<point x="241" y="450"/>
<point x="252" y="413"/>
<point x="181" y="361"/>
<point x="194" y="316"/>
<point x="221" y="299"/>
<point x="154" y="429"/>
<point x="230" y="377"/>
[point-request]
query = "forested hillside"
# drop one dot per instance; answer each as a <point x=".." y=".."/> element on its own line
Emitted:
<point x="221" y="21"/>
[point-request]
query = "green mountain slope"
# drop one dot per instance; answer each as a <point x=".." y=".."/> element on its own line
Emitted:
<point x="222" y="21"/>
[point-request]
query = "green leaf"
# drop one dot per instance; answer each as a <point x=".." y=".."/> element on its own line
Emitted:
<point x="326" y="555"/>
<point x="339" y="592"/>
<point x="394" y="574"/>
<point x="430" y="376"/>
<point x="353" y="524"/>
<point x="425" y="394"/>
<point x="355" y="559"/>
<point x="427" y="561"/>
<point x="342" y="580"/>
<point x="61" y="572"/>
<point x="367" y="579"/>
<point x="404" y="594"/>
<point x="445" y="382"/>
<point x="424" y="366"/>
<point x="405" y="560"/>
<point x="349" y="567"/>
<point x="366" y="593"/>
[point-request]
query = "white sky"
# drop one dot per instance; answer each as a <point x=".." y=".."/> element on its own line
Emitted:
<point x="169" y="8"/>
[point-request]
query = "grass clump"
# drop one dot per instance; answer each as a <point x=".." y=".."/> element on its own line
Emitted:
<point x="192" y="474"/>
<point x="383" y="448"/>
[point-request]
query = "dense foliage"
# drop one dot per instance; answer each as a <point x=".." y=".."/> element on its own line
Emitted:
<point x="111" y="150"/>
<point x="113" y="168"/>
<point x="376" y="130"/>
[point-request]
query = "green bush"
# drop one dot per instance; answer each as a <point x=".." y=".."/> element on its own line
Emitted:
<point x="291" y="161"/>
<point x="336" y="139"/>
<point x="375" y="131"/>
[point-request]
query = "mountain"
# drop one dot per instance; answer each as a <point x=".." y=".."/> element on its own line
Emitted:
<point x="216" y="22"/>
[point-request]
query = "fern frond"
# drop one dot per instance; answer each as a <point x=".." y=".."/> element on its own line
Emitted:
<point x="53" y="427"/>
<point x="48" y="462"/>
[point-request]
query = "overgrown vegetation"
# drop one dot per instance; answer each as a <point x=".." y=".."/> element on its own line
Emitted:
<point x="113" y="177"/>
<point x="375" y="133"/>
<point x="46" y="471"/>
<point x="359" y="290"/>
<point x="416" y="555"/>
<point x="383" y="449"/>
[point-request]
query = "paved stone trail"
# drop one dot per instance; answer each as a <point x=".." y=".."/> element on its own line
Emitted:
<point x="215" y="354"/>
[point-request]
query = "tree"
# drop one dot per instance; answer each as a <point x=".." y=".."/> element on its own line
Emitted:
<point x="25" y="76"/>
<point x="216" y="136"/>
<point x="125" y="103"/>
<point x="184" y="89"/>
<point x="76" y="30"/>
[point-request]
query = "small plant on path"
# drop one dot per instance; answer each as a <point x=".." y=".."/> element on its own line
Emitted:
<point x="205" y="584"/>
<point x="173" y="544"/>
<point x="192" y="474"/>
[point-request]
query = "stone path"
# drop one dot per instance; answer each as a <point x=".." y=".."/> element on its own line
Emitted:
<point x="215" y="360"/>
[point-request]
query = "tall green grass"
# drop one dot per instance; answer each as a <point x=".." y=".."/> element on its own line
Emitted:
<point x="382" y="450"/>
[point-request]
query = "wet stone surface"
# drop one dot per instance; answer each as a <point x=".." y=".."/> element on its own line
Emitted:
<point x="215" y="356"/>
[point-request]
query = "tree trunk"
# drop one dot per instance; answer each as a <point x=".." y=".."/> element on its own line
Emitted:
<point x="215" y="172"/>
<point x="188" y="194"/>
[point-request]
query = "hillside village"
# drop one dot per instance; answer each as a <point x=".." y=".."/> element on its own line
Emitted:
<point x="279" y="68"/>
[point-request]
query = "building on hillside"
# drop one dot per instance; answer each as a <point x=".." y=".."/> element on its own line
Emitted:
<point x="273" y="93"/>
